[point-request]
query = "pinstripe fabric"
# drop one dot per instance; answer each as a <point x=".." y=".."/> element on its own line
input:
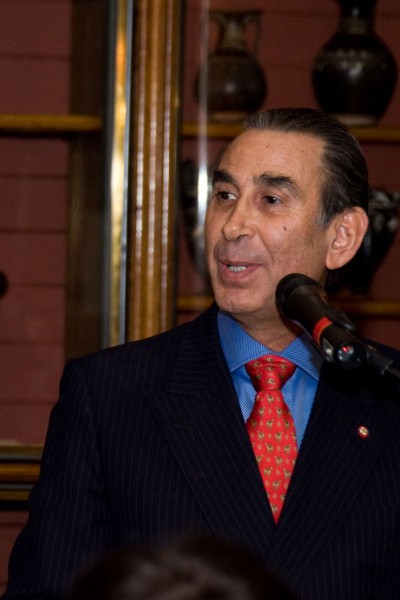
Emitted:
<point x="133" y="456"/>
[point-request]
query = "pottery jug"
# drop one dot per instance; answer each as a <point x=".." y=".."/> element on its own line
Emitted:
<point x="231" y="84"/>
<point x="355" y="73"/>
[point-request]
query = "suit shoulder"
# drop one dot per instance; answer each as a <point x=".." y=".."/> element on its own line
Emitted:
<point x="158" y="349"/>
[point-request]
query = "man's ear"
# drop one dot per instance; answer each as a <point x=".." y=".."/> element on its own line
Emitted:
<point x="348" y="230"/>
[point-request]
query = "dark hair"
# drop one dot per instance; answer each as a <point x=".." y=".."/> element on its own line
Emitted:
<point x="191" y="569"/>
<point x="346" y="173"/>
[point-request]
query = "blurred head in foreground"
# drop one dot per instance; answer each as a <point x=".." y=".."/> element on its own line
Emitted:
<point x="191" y="569"/>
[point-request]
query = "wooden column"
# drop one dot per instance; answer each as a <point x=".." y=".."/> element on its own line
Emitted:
<point x="152" y="196"/>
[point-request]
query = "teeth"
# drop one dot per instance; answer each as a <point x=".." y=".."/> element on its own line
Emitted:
<point x="236" y="268"/>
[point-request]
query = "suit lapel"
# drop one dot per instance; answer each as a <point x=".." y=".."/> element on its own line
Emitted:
<point x="200" y="416"/>
<point x="333" y="465"/>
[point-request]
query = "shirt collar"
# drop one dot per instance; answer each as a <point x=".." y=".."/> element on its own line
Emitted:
<point x="239" y="347"/>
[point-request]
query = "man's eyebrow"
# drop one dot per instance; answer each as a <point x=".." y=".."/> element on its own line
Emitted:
<point x="270" y="179"/>
<point x="221" y="176"/>
<point x="279" y="181"/>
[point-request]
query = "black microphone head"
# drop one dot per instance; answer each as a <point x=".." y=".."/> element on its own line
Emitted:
<point x="289" y="284"/>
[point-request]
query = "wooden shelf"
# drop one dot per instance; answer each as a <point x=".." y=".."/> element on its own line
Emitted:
<point x="389" y="309"/>
<point x="377" y="135"/>
<point x="212" y="130"/>
<point x="19" y="470"/>
<point x="193" y="303"/>
<point x="14" y="452"/>
<point x="49" y="124"/>
<point x="230" y="130"/>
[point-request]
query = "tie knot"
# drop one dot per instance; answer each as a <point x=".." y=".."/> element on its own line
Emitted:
<point x="269" y="372"/>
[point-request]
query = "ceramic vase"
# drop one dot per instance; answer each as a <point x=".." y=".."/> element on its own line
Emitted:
<point x="231" y="83"/>
<point x="355" y="73"/>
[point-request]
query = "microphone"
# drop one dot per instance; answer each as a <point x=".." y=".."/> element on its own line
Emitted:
<point x="303" y="301"/>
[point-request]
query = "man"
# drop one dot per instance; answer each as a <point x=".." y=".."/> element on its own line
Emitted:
<point x="148" y="440"/>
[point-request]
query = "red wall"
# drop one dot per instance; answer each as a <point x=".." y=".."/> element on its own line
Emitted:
<point x="34" y="71"/>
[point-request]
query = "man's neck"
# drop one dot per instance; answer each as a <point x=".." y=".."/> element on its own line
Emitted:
<point x="276" y="336"/>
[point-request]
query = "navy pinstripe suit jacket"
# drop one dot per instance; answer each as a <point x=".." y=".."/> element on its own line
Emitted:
<point x="147" y="441"/>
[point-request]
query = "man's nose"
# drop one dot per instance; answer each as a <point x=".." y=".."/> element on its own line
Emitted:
<point x="239" y="222"/>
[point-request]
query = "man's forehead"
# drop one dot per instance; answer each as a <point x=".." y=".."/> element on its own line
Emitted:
<point x="271" y="137"/>
<point x="271" y="151"/>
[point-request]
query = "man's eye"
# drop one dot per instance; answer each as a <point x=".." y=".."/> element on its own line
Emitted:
<point x="224" y="195"/>
<point x="271" y="200"/>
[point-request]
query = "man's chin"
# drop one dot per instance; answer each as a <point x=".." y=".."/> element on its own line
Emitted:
<point x="235" y="304"/>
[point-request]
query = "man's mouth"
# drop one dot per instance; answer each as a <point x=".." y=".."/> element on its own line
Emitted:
<point x="236" y="268"/>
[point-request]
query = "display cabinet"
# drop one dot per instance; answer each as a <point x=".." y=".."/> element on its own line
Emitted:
<point x="287" y="67"/>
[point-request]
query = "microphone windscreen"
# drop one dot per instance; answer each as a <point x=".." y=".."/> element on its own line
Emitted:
<point x="288" y="284"/>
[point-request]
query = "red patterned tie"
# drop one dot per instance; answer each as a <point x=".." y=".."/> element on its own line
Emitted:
<point x="271" y="428"/>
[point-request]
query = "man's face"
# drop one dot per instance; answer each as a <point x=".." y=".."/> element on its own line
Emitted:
<point x="261" y="222"/>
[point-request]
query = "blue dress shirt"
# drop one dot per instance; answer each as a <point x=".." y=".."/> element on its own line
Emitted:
<point x="299" y="391"/>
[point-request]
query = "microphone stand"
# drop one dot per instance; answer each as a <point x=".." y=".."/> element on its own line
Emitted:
<point x="352" y="352"/>
<point x="382" y="364"/>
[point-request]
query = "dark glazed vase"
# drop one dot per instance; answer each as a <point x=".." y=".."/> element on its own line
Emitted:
<point x="355" y="73"/>
<point x="231" y="84"/>
<point x="384" y="221"/>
